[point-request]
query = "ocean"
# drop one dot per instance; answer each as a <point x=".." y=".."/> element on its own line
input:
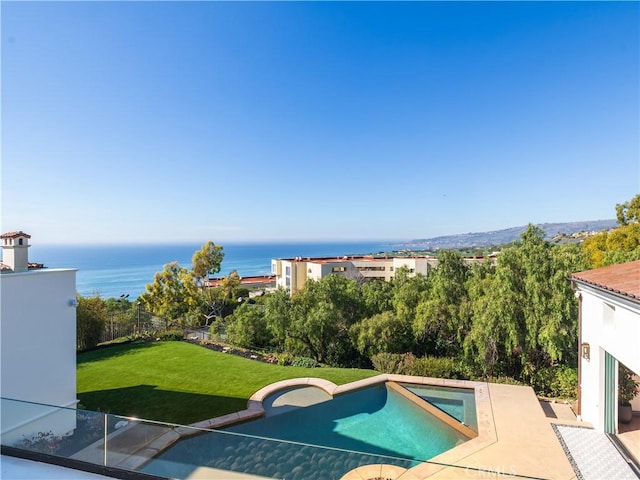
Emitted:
<point x="115" y="270"/>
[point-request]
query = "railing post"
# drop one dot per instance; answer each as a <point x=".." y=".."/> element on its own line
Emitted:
<point x="104" y="460"/>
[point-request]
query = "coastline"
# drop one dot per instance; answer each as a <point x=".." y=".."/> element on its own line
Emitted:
<point x="115" y="270"/>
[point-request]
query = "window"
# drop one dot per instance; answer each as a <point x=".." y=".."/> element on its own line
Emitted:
<point x="338" y="269"/>
<point x="20" y="241"/>
<point x="288" y="271"/>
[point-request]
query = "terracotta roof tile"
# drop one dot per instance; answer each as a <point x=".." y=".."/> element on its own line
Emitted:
<point x="623" y="279"/>
<point x="15" y="234"/>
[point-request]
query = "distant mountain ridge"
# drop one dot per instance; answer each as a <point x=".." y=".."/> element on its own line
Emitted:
<point x="507" y="235"/>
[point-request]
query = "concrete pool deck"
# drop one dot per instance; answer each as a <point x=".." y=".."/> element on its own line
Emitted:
<point x="524" y="443"/>
<point x="514" y="438"/>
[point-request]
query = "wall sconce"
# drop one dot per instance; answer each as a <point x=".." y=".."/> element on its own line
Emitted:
<point x="73" y="303"/>
<point x="586" y="350"/>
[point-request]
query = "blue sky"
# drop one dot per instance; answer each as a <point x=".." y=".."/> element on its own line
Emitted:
<point x="128" y="122"/>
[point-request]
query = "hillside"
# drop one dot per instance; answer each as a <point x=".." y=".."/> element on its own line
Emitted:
<point x="507" y="235"/>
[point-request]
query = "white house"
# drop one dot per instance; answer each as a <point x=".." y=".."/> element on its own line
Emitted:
<point x="37" y="339"/>
<point x="609" y="332"/>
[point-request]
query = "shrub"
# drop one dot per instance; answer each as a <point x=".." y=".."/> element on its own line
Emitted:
<point x="438" y="367"/>
<point x="170" y="335"/>
<point x="540" y="379"/>
<point x="91" y="316"/>
<point x="565" y="382"/>
<point x="628" y="387"/>
<point x="305" y="362"/>
<point x="393" y="362"/>
<point x="560" y="381"/>
<point x="501" y="379"/>
<point x="218" y="330"/>
<point x="284" y="358"/>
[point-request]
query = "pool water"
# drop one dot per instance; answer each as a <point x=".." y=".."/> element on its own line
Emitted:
<point x="374" y="420"/>
<point x="460" y="403"/>
<point x="319" y="440"/>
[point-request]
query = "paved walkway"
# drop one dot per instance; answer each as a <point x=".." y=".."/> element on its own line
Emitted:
<point x="592" y="454"/>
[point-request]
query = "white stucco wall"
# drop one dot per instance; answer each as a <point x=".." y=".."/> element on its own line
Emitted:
<point x="38" y="336"/>
<point x="609" y="323"/>
<point x="417" y="264"/>
<point x="314" y="270"/>
<point x="381" y="268"/>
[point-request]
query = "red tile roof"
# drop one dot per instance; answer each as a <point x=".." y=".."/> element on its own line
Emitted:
<point x="623" y="279"/>
<point x="257" y="280"/>
<point x="15" y="234"/>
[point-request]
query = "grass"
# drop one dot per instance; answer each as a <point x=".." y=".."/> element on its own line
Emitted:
<point x="179" y="382"/>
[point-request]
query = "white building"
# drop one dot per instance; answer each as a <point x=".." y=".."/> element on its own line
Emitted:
<point x="37" y="339"/>
<point x="609" y="332"/>
<point x="292" y="273"/>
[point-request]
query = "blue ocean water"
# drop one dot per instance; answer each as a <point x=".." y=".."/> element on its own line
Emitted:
<point x="114" y="270"/>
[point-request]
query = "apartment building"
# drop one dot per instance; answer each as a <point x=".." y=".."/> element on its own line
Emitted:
<point x="292" y="273"/>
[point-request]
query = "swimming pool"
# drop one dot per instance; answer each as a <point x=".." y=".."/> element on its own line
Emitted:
<point x="324" y="438"/>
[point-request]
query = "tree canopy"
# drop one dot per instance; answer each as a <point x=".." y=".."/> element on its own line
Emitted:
<point x="513" y="315"/>
<point x="207" y="261"/>
<point x="628" y="212"/>
<point x="619" y="245"/>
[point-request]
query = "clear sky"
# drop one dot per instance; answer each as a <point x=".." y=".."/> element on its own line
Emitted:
<point x="236" y="121"/>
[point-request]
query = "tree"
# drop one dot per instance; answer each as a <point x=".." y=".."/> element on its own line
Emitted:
<point x="212" y="303"/>
<point x="172" y="294"/>
<point x="230" y="284"/>
<point x="91" y="318"/>
<point x="277" y="312"/>
<point x="628" y="212"/>
<point x="317" y="321"/>
<point x="207" y="261"/>
<point x="494" y="332"/>
<point x="441" y="317"/>
<point x="408" y="291"/>
<point x="594" y="248"/>
<point x="524" y="312"/>
<point x="619" y="245"/>
<point x="382" y="333"/>
<point x="247" y="328"/>
<point x="377" y="296"/>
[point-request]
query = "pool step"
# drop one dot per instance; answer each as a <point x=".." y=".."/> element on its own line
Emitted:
<point x="433" y="410"/>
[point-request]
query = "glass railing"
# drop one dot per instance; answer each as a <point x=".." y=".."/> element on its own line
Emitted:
<point x="154" y="448"/>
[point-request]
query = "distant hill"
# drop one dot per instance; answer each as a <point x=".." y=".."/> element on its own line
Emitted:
<point x="508" y="235"/>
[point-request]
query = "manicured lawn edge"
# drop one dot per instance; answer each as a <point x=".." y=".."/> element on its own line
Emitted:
<point x="179" y="382"/>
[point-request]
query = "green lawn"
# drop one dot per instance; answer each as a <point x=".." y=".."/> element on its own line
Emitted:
<point x="179" y="382"/>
